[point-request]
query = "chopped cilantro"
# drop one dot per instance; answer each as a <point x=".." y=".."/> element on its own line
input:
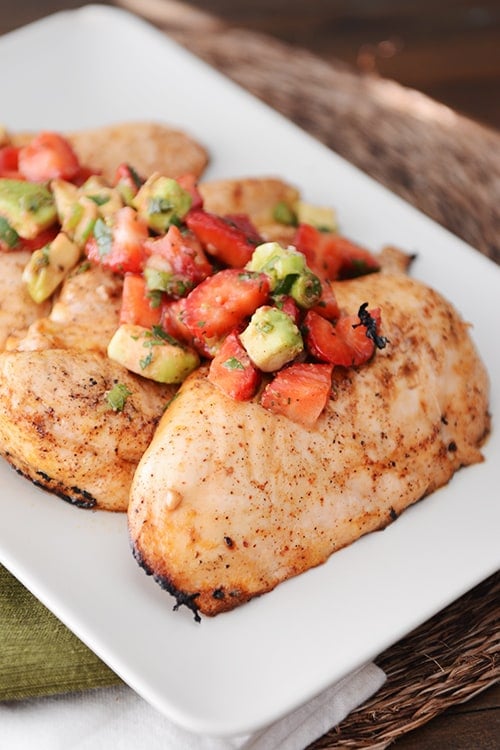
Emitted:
<point x="8" y="234"/>
<point x="135" y="176"/>
<point x="117" y="396"/>
<point x="104" y="237"/>
<point x="157" y="336"/>
<point x="82" y="268"/>
<point x="161" y="334"/>
<point x="99" y="200"/>
<point x="145" y="361"/>
<point x="233" y="364"/>
<point x="155" y="297"/>
<point x="41" y="258"/>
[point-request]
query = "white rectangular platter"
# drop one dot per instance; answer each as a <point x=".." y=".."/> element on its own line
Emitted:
<point x="240" y="671"/>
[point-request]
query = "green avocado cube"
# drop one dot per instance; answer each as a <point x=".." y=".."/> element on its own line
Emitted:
<point x="28" y="207"/>
<point x="271" y="339"/>
<point x="48" y="266"/>
<point x="161" y="201"/>
<point x="150" y="352"/>
<point x="277" y="262"/>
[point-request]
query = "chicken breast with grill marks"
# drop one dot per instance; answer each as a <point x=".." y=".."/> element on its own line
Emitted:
<point x="56" y="426"/>
<point x="230" y="500"/>
<point x="147" y="146"/>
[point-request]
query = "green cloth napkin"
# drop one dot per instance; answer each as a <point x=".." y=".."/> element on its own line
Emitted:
<point x="38" y="654"/>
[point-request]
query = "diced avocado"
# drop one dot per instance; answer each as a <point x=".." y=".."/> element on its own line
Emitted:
<point x="79" y="208"/>
<point x="306" y="290"/>
<point x="288" y="272"/>
<point x="66" y="197"/>
<point x="28" y="207"/>
<point x="161" y="201"/>
<point x="277" y="262"/>
<point x="85" y="215"/>
<point x="78" y="216"/>
<point x="150" y="352"/>
<point x="321" y="217"/>
<point x="159" y="280"/>
<point x="283" y="213"/>
<point x="49" y="265"/>
<point x="271" y="339"/>
<point x="107" y="199"/>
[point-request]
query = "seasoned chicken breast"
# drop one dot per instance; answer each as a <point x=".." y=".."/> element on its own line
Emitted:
<point x="58" y="429"/>
<point x="55" y="424"/>
<point x="147" y="146"/>
<point x="84" y="315"/>
<point x="17" y="309"/>
<point x="229" y="500"/>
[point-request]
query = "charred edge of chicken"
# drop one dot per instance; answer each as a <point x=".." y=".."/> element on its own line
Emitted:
<point x="79" y="498"/>
<point x="181" y="597"/>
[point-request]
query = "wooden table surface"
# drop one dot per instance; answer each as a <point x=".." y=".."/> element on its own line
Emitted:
<point x="449" y="50"/>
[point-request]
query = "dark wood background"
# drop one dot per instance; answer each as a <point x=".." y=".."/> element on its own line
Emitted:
<point x="448" y="49"/>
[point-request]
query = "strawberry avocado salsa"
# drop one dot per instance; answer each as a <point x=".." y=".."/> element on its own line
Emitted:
<point x="197" y="287"/>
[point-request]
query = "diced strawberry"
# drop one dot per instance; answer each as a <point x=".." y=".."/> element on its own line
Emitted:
<point x="137" y="306"/>
<point x="172" y="321"/>
<point x="323" y="341"/>
<point x="310" y="241"/>
<point x="355" y="334"/>
<point x="346" y="343"/>
<point x="9" y="162"/>
<point x="41" y="239"/>
<point x="328" y="306"/>
<point x="289" y="306"/>
<point x="299" y="392"/>
<point x="221" y="238"/>
<point x="48" y="156"/>
<point x="222" y="301"/>
<point x="232" y="370"/>
<point x="184" y="254"/>
<point x="119" y="247"/>
<point x="244" y="223"/>
<point x="332" y="256"/>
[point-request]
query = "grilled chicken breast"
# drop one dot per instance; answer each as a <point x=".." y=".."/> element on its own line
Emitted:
<point x="147" y="146"/>
<point x="57" y="428"/>
<point x="229" y="500"/>
<point x="17" y="309"/>
<point x="84" y="315"/>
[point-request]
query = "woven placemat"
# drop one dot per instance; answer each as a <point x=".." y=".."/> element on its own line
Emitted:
<point x="448" y="660"/>
<point x="442" y="163"/>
